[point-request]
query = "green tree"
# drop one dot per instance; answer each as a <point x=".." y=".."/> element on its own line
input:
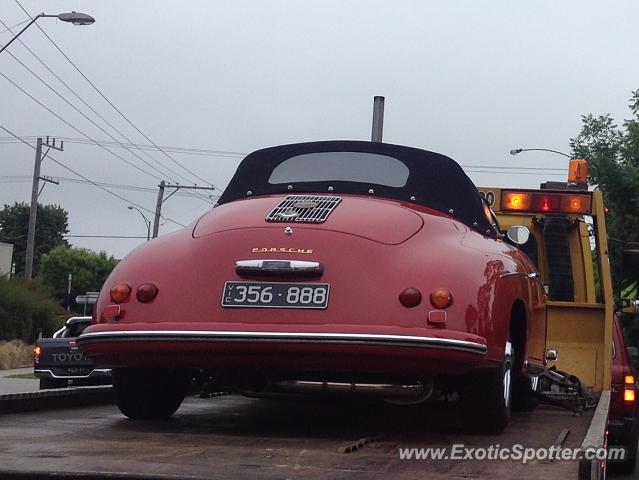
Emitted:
<point x="52" y="225"/>
<point x="25" y="309"/>
<point x="89" y="270"/>
<point x="612" y="152"/>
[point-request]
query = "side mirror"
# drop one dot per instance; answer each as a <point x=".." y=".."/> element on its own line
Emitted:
<point x="518" y="234"/>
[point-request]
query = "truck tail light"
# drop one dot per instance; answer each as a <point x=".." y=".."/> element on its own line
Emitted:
<point x="629" y="380"/>
<point x="629" y="395"/>
<point x="545" y="202"/>
<point x="36" y="354"/>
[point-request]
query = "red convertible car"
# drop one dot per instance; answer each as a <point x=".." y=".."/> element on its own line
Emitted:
<point x="336" y="267"/>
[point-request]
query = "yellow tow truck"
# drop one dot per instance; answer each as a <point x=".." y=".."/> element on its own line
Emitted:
<point x="568" y="243"/>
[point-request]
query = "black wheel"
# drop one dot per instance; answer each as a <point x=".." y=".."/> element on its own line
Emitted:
<point x="525" y="397"/>
<point x="486" y="402"/>
<point x="149" y="394"/>
<point x="47" y="383"/>
<point x="628" y="464"/>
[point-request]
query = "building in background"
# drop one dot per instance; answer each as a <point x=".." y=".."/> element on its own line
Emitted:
<point x="6" y="259"/>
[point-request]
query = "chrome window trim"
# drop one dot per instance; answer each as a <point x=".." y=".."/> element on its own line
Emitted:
<point x="293" y="337"/>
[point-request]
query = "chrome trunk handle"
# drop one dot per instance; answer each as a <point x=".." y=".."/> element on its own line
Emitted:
<point x="278" y="267"/>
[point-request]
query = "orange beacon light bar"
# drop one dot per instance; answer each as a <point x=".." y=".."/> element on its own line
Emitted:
<point x="578" y="171"/>
<point x="545" y="202"/>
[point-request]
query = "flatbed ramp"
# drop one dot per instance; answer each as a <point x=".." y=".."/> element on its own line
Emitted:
<point x="232" y="437"/>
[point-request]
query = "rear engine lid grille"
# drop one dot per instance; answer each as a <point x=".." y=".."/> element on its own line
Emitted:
<point x="304" y="208"/>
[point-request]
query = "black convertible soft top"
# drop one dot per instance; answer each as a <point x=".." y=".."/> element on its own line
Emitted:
<point x="432" y="179"/>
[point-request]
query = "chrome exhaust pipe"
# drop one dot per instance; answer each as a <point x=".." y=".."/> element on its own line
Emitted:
<point x="415" y="390"/>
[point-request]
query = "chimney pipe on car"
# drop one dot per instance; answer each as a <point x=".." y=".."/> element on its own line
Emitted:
<point x="378" y="119"/>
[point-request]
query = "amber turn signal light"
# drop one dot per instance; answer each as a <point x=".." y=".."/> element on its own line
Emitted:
<point x="629" y="380"/>
<point x="146" y="292"/>
<point x="120" y="292"/>
<point x="441" y="298"/>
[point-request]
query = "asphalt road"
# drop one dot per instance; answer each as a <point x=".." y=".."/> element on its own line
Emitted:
<point x="235" y="437"/>
<point x="17" y="385"/>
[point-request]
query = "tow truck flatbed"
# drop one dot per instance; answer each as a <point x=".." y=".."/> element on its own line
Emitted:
<point x="235" y="437"/>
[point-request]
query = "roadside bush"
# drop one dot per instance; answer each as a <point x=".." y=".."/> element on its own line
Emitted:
<point x="15" y="354"/>
<point x="24" y="310"/>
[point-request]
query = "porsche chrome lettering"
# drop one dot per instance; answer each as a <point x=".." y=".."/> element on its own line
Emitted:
<point x="282" y="250"/>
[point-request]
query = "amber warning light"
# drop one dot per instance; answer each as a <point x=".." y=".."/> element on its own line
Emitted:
<point x="578" y="171"/>
<point x="545" y="202"/>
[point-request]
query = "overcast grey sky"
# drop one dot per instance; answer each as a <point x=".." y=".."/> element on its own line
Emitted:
<point x="470" y="79"/>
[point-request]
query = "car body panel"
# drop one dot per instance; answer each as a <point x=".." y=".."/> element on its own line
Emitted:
<point x="622" y="417"/>
<point x="370" y="248"/>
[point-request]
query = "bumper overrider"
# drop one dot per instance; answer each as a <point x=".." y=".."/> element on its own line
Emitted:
<point x="170" y="345"/>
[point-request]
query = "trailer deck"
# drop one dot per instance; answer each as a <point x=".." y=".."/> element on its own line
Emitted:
<point x="231" y="436"/>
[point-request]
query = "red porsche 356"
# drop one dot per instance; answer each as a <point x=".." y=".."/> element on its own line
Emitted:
<point x="334" y="267"/>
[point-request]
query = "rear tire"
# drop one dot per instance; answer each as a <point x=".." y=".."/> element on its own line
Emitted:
<point x="48" y="383"/>
<point x="149" y="394"/>
<point x="486" y="403"/>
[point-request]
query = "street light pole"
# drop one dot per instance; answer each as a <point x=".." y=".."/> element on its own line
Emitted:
<point x="73" y="17"/>
<point x="519" y="150"/>
<point x="147" y="222"/>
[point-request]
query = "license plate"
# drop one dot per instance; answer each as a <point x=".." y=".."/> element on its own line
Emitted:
<point x="275" y="295"/>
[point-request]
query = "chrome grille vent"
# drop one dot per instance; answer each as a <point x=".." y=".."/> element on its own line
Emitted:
<point x="303" y="208"/>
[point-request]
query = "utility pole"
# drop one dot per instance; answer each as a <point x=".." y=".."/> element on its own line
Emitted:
<point x="158" y="209"/>
<point x="161" y="200"/>
<point x="35" y="191"/>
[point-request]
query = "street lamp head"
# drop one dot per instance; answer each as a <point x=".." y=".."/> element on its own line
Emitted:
<point x="130" y="207"/>
<point x="77" y="18"/>
<point x="516" y="151"/>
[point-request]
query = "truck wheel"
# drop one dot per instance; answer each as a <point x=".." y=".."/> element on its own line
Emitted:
<point x="525" y="391"/>
<point x="149" y="394"/>
<point x="486" y="403"/>
<point x="47" y="383"/>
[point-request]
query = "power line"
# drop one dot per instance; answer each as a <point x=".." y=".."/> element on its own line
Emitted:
<point x="109" y="101"/>
<point x="74" y="127"/>
<point x="85" y="116"/>
<point x="89" y="107"/>
<point x="135" y="188"/>
<point x="183" y="150"/>
<point x="8" y="29"/>
<point x="101" y="236"/>
<point x="91" y="181"/>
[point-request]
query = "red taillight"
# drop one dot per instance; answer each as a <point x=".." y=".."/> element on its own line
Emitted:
<point x="36" y="354"/>
<point x="546" y="203"/>
<point x="146" y="292"/>
<point x="410" y="297"/>
<point x="629" y="395"/>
